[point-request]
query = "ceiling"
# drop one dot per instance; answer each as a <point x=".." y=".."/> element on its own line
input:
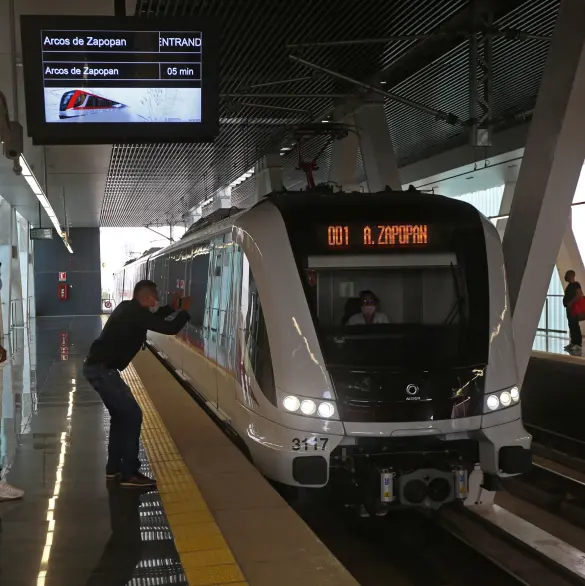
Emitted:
<point x="159" y="183"/>
<point x="134" y="185"/>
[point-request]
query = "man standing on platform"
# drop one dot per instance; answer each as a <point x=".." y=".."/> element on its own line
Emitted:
<point x="572" y="294"/>
<point x="121" y="339"/>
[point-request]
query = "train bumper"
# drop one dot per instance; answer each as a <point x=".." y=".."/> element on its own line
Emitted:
<point x="504" y="446"/>
<point x="291" y="456"/>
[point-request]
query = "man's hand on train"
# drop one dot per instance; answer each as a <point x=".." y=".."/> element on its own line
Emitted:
<point x="185" y="304"/>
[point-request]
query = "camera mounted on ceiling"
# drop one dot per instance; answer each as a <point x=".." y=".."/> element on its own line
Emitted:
<point x="11" y="135"/>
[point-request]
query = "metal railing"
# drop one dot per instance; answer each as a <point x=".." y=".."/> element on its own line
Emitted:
<point x="17" y="318"/>
<point x="554" y="315"/>
<point x="19" y="315"/>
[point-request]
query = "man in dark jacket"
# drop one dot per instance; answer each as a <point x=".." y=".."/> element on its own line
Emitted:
<point x="121" y="339"/>
<point x="572" y="293"/>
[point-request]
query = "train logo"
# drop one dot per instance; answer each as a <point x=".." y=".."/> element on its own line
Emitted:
<point x="411" y="390"/>
<point x="76" y="103"/>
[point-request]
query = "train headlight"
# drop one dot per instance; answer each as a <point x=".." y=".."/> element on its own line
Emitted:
<point x="493" y="402"/>
<point x="291" y="403"/>
<point x="515" y="394"/>
<point x="308" y="407"/>
<point x="326" y="410"/>
<point x="505" y="399"/>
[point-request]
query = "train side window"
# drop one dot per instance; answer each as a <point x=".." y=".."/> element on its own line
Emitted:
<point x="79" y="101"/>
<point x="257" y="344"/>
<point x="198" y="282"/>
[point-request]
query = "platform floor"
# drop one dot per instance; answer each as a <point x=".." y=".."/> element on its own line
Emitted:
<point x="213" y="520"/>
<point x="73" y="527"/>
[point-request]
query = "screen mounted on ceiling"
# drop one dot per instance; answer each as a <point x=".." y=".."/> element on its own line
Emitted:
<point x="92" y="80"/>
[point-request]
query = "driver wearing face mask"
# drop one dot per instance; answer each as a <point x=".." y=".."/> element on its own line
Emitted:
<point x="369" y="313"/>
<point x="121" y="339"/>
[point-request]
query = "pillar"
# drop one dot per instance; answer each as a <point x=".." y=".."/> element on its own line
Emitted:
<point x="553" y="157"/>
<point x="344" y="153"/>
<point x="505" y="205"/>
<point x="16" y="302"/>
<point x="268" y="175"/>
<point x="376" y="147"/>
<point x="5" y="268"/>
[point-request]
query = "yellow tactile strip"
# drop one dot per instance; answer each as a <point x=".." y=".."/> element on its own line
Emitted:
<point x="205" y="555"/>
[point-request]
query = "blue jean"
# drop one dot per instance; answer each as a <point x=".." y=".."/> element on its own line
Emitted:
<point x="125" y="418"/>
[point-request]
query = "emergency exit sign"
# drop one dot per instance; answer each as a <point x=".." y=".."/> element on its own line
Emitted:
<point x="62" y="277"/>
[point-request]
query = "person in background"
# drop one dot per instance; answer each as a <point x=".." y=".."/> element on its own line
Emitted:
<point x="369" y="313"/>
<point x="572" y="293"/>
<point x="121" y="339"/>
<point x="7" y="491"/>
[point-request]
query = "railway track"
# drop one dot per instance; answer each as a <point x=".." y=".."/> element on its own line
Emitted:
<point x="407" y="548"/>
<point x="454" y="548"/>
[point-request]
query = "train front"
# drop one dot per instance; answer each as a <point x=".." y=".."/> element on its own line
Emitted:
<point x="407" y="296"/>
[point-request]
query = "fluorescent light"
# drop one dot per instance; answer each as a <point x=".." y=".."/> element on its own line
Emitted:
<point x="32" y="182"/>
<point x="26" y="172"/>
<point x="44" y="201"/>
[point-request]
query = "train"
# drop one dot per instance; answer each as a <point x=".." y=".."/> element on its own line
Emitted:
<point x="355" y="341"/>
<point x="75" y="103"/>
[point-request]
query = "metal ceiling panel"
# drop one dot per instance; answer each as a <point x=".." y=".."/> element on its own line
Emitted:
<point x="150" y="184"/>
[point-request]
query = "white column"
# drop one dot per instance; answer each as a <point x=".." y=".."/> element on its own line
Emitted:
<point x="344" y="153"/>
<point x="505" y="205"/>
<point x="17" y="314"/>
<point x="376" y="147"/>
<point x="268" y="174"/>
<point x="31" y="280"/>
<point x="6" y="268"/>
<point x="554" y="154"/>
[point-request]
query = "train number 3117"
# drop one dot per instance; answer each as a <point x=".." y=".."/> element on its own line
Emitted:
<point x="309" y="443"/>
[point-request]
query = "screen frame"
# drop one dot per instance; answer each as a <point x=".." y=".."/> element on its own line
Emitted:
<point x="51" y="133"/>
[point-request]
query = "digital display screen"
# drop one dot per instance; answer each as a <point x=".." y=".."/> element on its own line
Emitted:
<point x="143" y="81"/>
<point x="375" y="236"/>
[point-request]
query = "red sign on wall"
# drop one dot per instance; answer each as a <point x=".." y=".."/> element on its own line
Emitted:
<point x="62" y="277"/>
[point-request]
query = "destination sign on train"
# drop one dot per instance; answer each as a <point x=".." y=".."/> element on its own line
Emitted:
<point x="370" y="236"/>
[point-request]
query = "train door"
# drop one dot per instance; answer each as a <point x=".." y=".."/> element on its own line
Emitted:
<point x="163" y="291"/>
<point x="225" y="379"/>
<point x="227" y="389"/>
<point x="213" y="306"/>
<point x="175" y="288"/>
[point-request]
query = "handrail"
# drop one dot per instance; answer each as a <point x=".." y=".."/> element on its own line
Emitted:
<point x="552" y="314"/>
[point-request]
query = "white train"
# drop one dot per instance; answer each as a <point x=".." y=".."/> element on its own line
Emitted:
<point x="398" y="408"/>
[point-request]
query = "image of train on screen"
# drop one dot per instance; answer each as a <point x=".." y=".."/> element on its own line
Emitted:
<point x="361" y="342"/>
<point x="75" y="103"/>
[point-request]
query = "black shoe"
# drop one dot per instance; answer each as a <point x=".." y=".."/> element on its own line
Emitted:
<point x="138" y="480"/>
<point x="110" y="474"/>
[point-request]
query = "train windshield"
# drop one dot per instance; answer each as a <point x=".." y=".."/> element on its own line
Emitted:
<point x="65" y="100"/>
<point x="393" y="280"/>
<point x="380" y="315"/>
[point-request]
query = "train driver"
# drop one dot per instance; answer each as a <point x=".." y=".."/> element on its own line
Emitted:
<point x="369" y="313"/>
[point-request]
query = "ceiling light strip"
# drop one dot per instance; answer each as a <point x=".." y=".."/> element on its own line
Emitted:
<point x="43" y="200"/>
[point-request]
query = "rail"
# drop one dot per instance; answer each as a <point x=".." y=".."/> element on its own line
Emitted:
<point x="17" y="317"/>
<point x="553" y="318"/>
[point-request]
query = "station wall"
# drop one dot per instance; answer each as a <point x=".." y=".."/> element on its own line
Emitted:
<point x="83" y="270"/>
